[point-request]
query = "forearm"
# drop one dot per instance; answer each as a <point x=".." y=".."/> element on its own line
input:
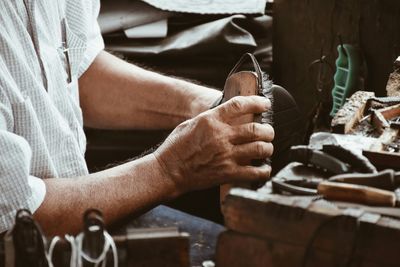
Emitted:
<point x="208" y="150"/>
<point x="117" y="192"/>
<point x="118" y="95"/>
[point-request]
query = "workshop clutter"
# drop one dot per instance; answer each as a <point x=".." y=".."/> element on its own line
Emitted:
<point x="375" y="120"/>
<point x="25" y="245"/>
<point x="329" y="207"/>
<point x="337" y="202"/>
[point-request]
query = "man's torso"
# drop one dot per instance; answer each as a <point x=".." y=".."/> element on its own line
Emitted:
<point x="43" y="100"/>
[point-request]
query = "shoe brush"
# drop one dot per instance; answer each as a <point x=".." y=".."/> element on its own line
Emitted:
<point x="248" y="83"/>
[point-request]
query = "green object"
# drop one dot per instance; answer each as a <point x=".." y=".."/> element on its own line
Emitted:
<point x="348" y="71"/>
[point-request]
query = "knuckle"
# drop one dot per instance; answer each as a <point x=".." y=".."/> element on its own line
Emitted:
<point x="260" y="149"/>
<point x="264" y="149"/>
<point x="256" y="174"/>
<point x="227" y="168"/>
<point x="263" y="173"/>
<point x="266" y="132"/>
<point x="181" y="128"/>
<point x="204" y="121"/>
<point x="236" y="103"/>
<point x="253" y="130"/>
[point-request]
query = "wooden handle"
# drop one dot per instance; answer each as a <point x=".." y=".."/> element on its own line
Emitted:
<point x="357" y="194"/>
<point x="242" y="83"/>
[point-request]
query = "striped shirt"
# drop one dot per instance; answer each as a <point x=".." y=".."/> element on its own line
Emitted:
<point x="45" y="45"/>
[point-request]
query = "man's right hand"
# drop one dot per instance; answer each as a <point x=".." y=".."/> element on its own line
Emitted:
<point x="211" y="149"/>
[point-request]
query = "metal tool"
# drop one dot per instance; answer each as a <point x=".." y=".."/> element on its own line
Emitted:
<point x="337" y="191"/>
<point x="359" y="163"/>
<point x="387" y="179"/>
<point x="317" y="119"/>
<point x="292" y="187"/>
<point x="371" y="188"/>
<point x="317" y="166"/>
<point x="317" y="158"/>
<point x="298" y="179"/>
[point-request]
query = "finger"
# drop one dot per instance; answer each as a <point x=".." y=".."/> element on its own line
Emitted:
<point x="254" y="150"/>
<point x="250" y="132"/>
<point x="242" y="105"/>
<point x="253" y="174"/>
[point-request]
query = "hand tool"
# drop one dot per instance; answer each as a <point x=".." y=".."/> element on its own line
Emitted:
<point x="293" y="187"/>
<point x="386" y="179"/>
<point x="247" y="83"/>
<point x="28" y="242"/>
<point x="335" y="191"/>
<point x="298" y="179"/>
<point x="358" y="194"/>
<point x="348" y="71"/>
<point x="317" y="118"/>
<point x="317" y="166"/>
<point x="317" y="158"/>
<point x="359" y="163"/>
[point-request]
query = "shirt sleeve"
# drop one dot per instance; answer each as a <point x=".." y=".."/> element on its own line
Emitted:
<point x="19" y="190"/>
<point x="95" y="42"/>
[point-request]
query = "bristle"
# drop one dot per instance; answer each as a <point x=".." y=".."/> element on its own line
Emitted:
<point x="266" y="117"/>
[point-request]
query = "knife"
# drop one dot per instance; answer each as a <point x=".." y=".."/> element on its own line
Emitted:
<point x="358" y="194"/>
<point x="387" y="179"/>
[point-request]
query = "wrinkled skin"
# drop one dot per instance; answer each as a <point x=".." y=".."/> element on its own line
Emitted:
<point x="211" y="149"/>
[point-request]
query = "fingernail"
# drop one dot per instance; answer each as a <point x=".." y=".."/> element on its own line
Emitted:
<point x="268" y="103"/>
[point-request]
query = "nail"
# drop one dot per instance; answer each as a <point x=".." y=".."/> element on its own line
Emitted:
<point x="268" y="102"/>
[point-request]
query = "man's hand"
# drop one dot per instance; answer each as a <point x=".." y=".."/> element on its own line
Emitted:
<point x="211" y="149"/>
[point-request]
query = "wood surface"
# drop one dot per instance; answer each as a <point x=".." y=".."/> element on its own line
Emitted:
<point x="390" y="112"/>
<point x="351" y="113"/>
<point x="238" y="250"/>
<point x="294" y="220"/>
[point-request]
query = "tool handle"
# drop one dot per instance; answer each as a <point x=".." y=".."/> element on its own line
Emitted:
<point x="256" y="66"/>
<point x="357" y="194"/>
<point x="383" y="180"/>
<point x="348" y="71"/>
